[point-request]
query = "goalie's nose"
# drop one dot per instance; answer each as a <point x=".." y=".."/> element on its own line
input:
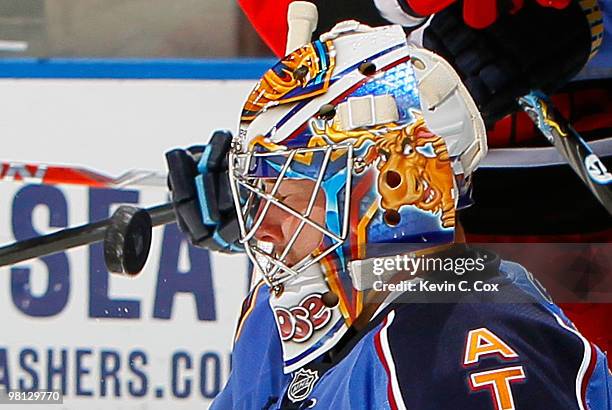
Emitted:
<point x="270" y="230"/>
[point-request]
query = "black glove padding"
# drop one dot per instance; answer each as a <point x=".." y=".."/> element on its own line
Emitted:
<point x="201" y="195"/>
<point x="537" y="48"/>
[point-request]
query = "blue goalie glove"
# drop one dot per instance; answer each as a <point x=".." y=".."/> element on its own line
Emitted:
<point x="201" y="194"/>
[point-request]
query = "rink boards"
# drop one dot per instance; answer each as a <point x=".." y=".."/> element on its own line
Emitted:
<point x="162" y="338"/>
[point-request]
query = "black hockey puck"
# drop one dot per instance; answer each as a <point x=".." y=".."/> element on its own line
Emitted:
<point x="128" y="240"/>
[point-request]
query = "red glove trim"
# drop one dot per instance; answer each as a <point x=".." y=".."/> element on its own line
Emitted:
<point x="428" y="7"/>
<point x="556" y="4"/>
<point x="269" y="18"/>
<point x="477" y="13"/>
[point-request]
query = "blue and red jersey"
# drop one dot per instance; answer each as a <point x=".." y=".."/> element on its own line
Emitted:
<point x="508" y="349"/>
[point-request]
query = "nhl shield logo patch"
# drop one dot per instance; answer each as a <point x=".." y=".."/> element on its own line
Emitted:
<point x="302" y="384"/>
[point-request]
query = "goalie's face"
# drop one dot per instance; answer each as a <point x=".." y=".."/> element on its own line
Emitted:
<point x="283" y="232"/>
<point x="292" y="206"/>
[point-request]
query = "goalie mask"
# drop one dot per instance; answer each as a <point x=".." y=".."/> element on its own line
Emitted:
<point x="383" y="137"/>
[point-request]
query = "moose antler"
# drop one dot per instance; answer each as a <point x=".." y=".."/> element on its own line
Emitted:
<point x="336" y="135"/>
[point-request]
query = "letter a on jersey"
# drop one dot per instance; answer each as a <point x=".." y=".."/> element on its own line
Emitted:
<point x="483" y="342"/>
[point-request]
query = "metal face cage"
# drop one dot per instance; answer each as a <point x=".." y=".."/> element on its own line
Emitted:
<point x="330" y="167"/>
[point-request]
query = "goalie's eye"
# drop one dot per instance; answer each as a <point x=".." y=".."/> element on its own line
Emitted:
<point x="407" y="149"/>
<point x="268" y="186"/>
<point x="280" y="197"/>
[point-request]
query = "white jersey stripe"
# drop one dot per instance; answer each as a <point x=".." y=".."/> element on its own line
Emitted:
<point x="384" y="344"/>
<point x="586" y="360"/>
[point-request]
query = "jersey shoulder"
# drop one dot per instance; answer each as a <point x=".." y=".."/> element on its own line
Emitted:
<point x="512" y="350"/>
<point x="256" y="356"/>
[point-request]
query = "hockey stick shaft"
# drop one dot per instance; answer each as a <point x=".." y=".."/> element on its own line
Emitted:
<point x="73" y="237"/>
<point x="570" y="145"/>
